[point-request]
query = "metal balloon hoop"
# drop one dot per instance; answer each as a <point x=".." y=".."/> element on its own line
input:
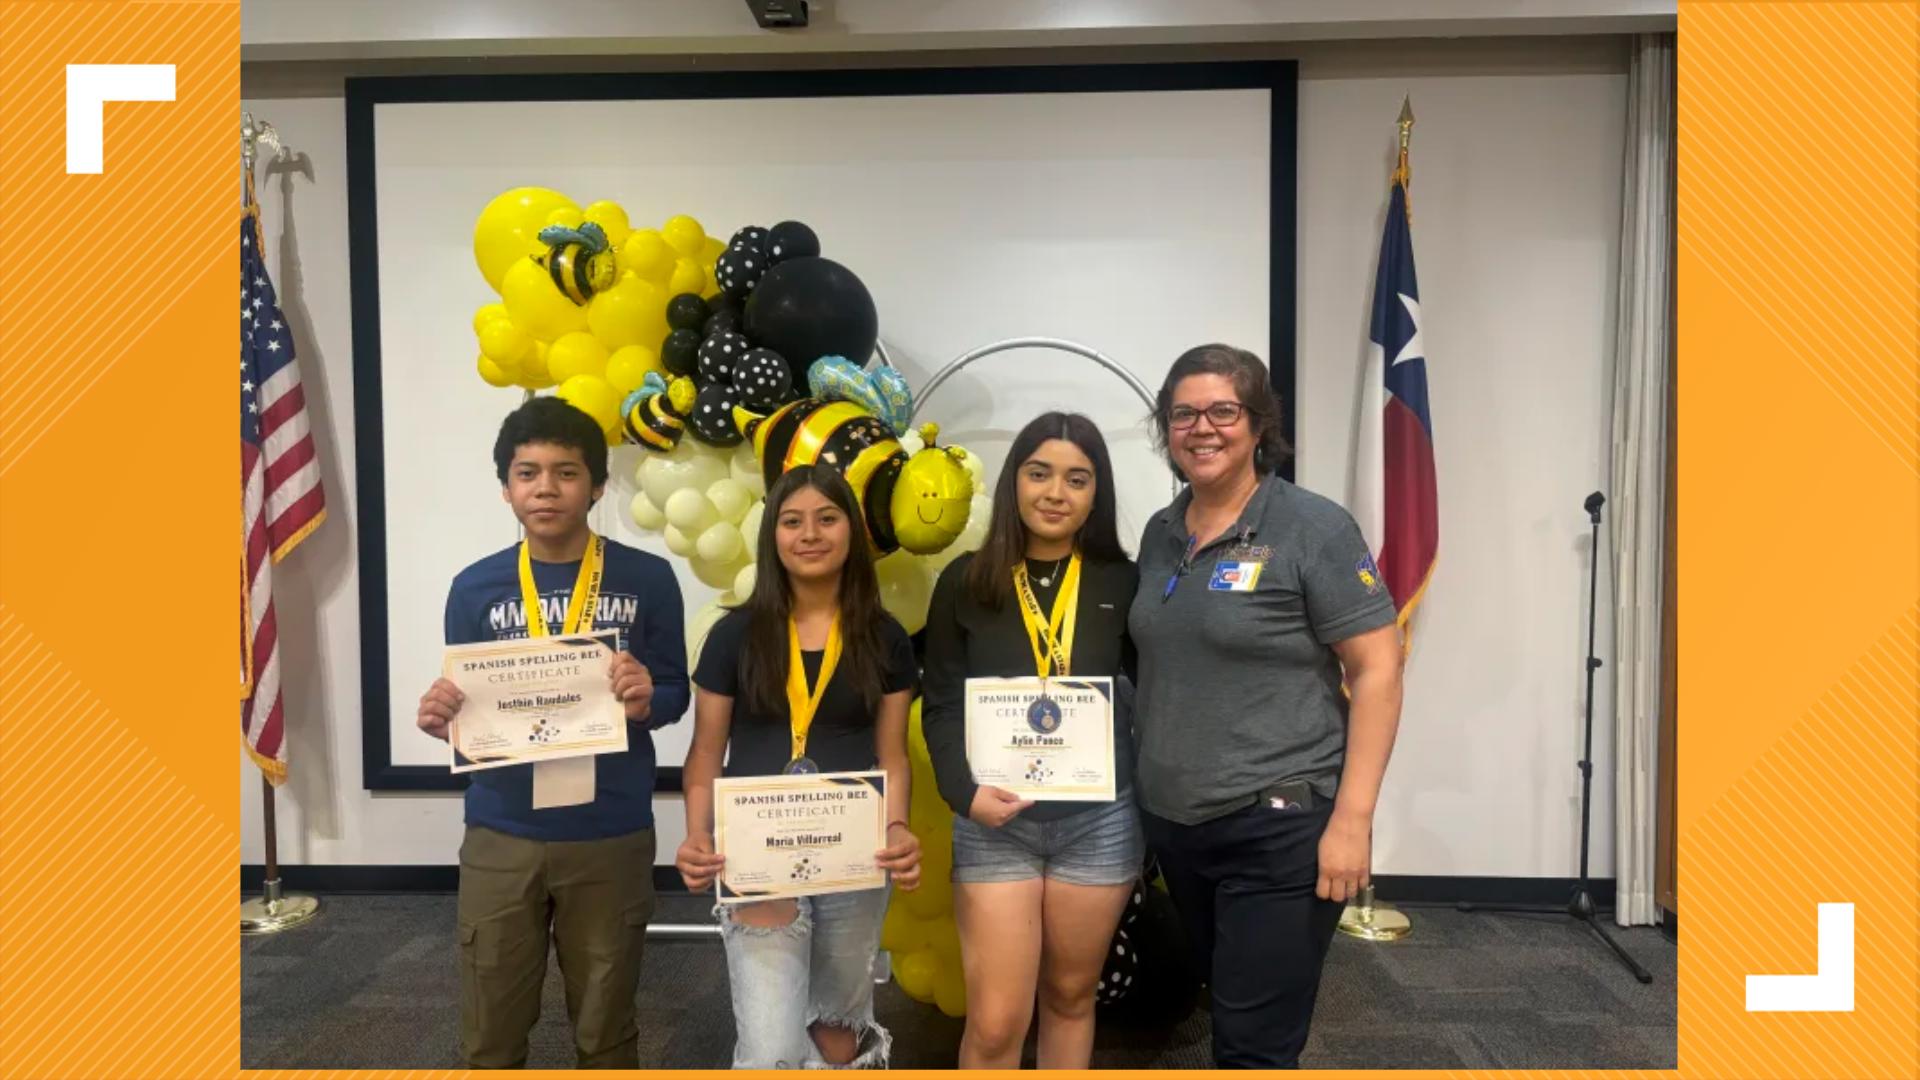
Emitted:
<point x="952" y="367"/>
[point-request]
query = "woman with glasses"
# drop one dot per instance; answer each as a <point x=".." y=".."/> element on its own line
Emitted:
<point x="1268" y="699"/>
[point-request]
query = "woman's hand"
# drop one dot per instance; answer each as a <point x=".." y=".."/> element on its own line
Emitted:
<point x="901" y="857"/>
<point x="1346" y="856"/>
<point x="697" y="863"/>
<point x="994" y="807"/>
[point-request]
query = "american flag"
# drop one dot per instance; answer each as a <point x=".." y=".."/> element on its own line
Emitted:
<point x="281" y="500"/>
<point x="1396" y="500"/>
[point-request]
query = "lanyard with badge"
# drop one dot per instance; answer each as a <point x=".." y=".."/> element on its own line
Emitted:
<point x="804" y="704"/>
<point x="1050" y="634"/>
<point x="564" y="781"/>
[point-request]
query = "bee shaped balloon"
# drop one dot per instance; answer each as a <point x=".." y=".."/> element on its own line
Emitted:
<point x="580" y="260"/>
<point x="919" y="503"/>
<point x="656" y="414"/>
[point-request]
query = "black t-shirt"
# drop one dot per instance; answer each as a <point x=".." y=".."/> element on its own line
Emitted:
<point x="966" y="640"/>
<point x="841" y="738"/>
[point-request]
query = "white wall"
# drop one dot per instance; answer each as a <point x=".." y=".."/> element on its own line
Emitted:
<point x="1516" y="195"/>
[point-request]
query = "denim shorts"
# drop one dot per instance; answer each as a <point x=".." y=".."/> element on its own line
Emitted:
<point x="1101" y="845"/>
<point x="818" y="968"/>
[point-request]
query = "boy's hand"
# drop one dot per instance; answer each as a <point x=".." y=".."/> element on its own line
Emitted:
<point x="632" y="685"/>
<point x="697" y="863"/>
<point x="437" y="706"/>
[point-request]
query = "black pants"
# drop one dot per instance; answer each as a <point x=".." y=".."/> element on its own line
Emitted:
<point x="1244" y="886"/>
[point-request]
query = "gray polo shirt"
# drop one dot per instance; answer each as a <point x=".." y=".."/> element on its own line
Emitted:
<point x="1239" y="688"/>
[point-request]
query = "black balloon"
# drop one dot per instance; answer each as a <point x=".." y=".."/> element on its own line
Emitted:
<point x="723" y="322"/>
<point x="718" y="354"/>
<point x="810" y="307"/>
<point x="791" y="240"/>
<point x="687" y="312"/>
<point x="738" y="271"/>
<point x="680" y="353"/>
<point x="712" y="419"/>
<point x="1149" y="979"/>
<point x="763" y="379"/>
<point x="751" y="238"/>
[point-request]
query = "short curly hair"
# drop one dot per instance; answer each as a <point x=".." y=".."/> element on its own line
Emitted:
<point x="551" y="420"/>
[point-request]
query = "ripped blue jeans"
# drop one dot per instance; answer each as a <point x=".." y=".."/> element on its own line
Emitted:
<point x="816" y="969"/>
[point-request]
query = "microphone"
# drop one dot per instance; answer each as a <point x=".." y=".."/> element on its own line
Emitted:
<point x="1594" y="502"/>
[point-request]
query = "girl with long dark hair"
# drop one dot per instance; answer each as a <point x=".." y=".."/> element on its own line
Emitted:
<point x="800" y="969"/>
<point x="1038" y="886"/>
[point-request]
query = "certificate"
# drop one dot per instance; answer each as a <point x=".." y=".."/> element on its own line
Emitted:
<point x="534" y="700"/>
<point x="1052" y="745"/>
<point x="799" y="835"/>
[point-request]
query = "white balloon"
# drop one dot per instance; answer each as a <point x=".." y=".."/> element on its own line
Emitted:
<point x="697" y="628"/>
<point x="713" y="575"/>
<point x="977" y="469"/>
<point x="745" y="467"/>
<point x="688" y="465"/>
<point x="912" y="443"/>
<point x="690" y="512"/>
<point x="731" y="498"/>
<point x="743" y="581"/>
<point x="750" y="525"/>
<point x="720" y="544"/>
<point x="679" y="543"/>
<point x="645" y="514"/>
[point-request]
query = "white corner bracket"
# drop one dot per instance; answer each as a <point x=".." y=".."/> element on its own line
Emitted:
<point x="1828" y="990"/>
<point x="89" y="88"/>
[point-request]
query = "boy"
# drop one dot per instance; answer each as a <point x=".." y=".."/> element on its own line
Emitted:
<point x="568" y="853"/>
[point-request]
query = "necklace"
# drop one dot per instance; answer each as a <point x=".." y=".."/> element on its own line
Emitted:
<point x="1047" y="582"/>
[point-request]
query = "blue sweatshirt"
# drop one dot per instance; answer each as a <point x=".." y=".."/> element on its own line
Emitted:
<point x="640" y="598"/>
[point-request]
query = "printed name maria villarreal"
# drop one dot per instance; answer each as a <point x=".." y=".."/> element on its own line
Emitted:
<point x="804" y="840"/>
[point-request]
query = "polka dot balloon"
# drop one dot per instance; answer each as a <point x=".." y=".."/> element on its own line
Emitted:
<point x="711" y="420"/>
<point x="738" y="270"/>
<point x="718" y="355"/>
<point x="763" y="378"/>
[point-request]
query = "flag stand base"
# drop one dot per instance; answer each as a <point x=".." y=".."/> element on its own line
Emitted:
<point x="272" y="912"/>
<point x="1369" y="921"/>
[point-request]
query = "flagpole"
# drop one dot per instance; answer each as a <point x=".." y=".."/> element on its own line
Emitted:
<point x="1365" y="918"/>
<point x="273" y="910"/>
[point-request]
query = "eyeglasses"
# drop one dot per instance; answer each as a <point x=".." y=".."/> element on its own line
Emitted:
<point x="1221" y="414"/>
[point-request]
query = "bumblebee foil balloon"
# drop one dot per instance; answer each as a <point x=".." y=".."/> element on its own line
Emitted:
<point x="580" y="260"/>
<point x="919" y="503"/>
<point x="656" y="414"/>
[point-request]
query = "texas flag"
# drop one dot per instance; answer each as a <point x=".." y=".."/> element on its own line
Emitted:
<point x="1395" y="499"/>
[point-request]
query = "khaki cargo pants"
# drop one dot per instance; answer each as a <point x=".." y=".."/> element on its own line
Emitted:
<point x="593" y="898"/>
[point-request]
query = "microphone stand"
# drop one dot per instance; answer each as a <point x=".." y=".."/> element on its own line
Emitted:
<point x="1581" y="906"/>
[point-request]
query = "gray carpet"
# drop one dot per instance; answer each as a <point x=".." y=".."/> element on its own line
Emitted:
<point x="373" y="983"/>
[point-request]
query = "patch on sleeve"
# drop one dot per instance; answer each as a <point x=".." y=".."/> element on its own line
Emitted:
<point x="1368" y="573"/>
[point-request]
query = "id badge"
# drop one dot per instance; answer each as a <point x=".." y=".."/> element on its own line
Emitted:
<point x="1234" y="576"/>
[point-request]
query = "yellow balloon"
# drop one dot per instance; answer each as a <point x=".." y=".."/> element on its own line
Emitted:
<point x="504" y="342"/>
<point x="918" y="973"/>
<point x="537" y="306"/>
<point x="612" y="219"/>
<point x="577" y="354"/>
<point x="568" y="215"/>
<point x="688" y="276"/>
<point x="592" y="395"/>
<point x="487" y="313"/>
<point x="497" y="374"/>
<point x="684" y="235"/>
<point x="712" y="288"/>
<point x="628" y="366"/>
<point x="633" y="312"/>
<point x="647" y="255"/>
<point x="533" y="368"/>
<point x="905" y="588"/>
<point x="508" y="229"/>
<point x="712" y="249"/>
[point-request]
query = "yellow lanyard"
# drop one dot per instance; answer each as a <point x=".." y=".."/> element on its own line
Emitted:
<point x="801" y="705"/>
<point x="586" y="591"/>
<point x="1054" y="656"/>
